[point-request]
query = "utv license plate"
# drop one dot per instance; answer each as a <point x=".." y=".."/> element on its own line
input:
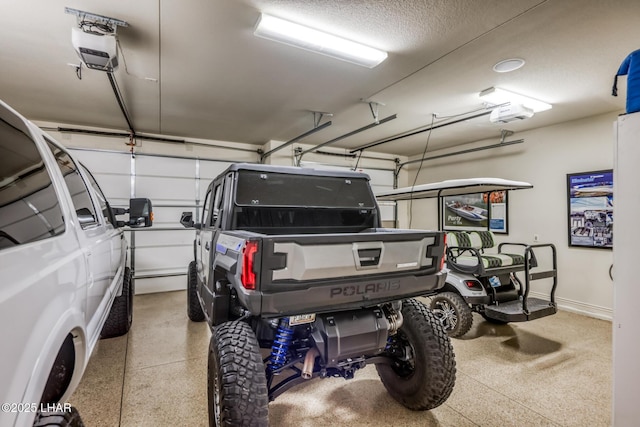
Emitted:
<point x="301" y="319"/>
<point x="494" y="281"/>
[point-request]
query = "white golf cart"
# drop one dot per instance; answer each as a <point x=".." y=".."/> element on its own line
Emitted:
<point x="482" y="277"/>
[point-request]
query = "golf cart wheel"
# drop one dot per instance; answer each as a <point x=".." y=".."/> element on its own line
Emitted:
<point x="422" y="371"/>
<point x="121" y="314"/>
<point x="453" y="312"/>
<point x="237" y="384"/>
<point x="194" y="310"/>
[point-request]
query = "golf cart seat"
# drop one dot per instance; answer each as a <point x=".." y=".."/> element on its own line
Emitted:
<point x="466" y="253"/>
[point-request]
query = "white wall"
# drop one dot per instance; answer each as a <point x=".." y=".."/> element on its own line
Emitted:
<point x="544" y="160"/>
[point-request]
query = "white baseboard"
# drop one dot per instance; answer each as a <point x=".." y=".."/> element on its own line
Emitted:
<point x="578" y="307"/>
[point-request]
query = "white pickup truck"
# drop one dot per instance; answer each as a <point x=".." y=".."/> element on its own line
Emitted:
<point x="64" y="280"/>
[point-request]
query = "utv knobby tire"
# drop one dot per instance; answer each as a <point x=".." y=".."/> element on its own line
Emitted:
<point x="453" y="312"/>
<point x="121" y="315"/>
<point x="194" y="309"/>
<point x="237" y="384"/>
<point x="428" y="379"/>
<point x="58" y="419"/>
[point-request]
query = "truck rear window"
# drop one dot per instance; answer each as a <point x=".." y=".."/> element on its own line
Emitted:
<point x="268" y="189"/>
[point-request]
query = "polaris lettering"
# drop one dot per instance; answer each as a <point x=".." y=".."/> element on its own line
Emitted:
<point x="369" y="288"/>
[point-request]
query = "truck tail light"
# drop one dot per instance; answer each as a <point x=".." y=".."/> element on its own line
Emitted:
<point x="248" y="276"/>
<point x="444" y="253"/>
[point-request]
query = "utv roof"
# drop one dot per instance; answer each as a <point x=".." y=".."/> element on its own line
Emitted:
<point x="452" y="187"/>
<point x="294" y="170"/>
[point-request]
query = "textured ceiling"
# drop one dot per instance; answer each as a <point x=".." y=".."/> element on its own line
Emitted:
<point x="194" y="68"/>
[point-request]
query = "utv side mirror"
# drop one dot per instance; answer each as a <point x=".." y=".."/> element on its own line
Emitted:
<point x="140" y="213"/>
<point x="187" y="221"/>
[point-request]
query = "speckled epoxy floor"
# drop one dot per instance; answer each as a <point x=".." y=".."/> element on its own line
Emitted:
<point x="554" y="371"/>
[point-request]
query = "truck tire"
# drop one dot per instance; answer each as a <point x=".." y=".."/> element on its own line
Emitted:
<point x="58" y="419"/>
<point x="453" y="312"/>
<point x="121" y="315"/>
<point x="194" y="310"/>
<point x="237" y="384"/>
<point x="425" y="379"/>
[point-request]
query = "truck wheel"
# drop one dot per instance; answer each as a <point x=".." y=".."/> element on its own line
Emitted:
<point x="121" y="315"/>
<point x="58" y="419"/>
<point x="237" y="384"/>
<point x="194" y="310"/>
<point x="453" y="312"/>
<point x="422" y="371"/>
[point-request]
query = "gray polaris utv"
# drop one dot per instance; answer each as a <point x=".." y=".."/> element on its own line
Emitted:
<point x="297" y="281"/>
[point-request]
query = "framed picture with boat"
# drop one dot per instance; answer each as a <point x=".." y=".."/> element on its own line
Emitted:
<point x="476" y="212"/>
<point x="590" y="208"/>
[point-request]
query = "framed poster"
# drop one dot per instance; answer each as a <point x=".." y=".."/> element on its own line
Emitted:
<point x="466" y="212"/>
<point x="476" y="212"/>
<point x="590" y="207"/>
<point x="498" y="211"/>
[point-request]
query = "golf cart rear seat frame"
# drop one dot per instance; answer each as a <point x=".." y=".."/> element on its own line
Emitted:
<point x="465" y="253"/>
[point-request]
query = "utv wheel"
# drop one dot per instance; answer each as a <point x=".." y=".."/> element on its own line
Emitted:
<point x="237" y="384"/>
<point x="453" y="312"/>
<point x="58" y="419"/>
<point x="121" y="315"/>
<point x="422" y="371"/>
<point x="194" y="310"/>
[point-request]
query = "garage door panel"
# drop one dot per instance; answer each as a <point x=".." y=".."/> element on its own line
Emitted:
<point x="211" y="169"/>
<point x="100" y="162"/>
<point x="170" y="216"/>
<point x="166" y="190"/>
<point x="163" y="260"/>
<point x="171" y="184"/>
<point x="165" y="238"/>
<point x="116" y="188"/>
<point x="161" y="284"/>
<point x="165" y="167"/>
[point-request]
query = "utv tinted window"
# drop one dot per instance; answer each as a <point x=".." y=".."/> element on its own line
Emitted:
<point x="29" y="208"/>
<point x="277" y="189"/>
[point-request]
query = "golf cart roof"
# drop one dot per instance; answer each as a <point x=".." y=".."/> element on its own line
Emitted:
<point x="452" y="187"/>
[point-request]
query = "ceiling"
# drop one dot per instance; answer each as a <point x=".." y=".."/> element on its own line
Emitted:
<point x="194" y="69"/>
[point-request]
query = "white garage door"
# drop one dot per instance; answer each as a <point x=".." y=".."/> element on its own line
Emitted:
<point x="160" y="254"/>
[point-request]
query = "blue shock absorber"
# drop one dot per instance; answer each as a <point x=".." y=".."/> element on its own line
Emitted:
<point x="280" y="346"/>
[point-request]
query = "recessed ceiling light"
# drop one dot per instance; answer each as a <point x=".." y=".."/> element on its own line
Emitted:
<point x="508" y="65"/>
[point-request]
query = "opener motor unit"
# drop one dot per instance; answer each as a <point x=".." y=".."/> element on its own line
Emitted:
<point x="509" y="113"/>
<point x="97" y="51"/>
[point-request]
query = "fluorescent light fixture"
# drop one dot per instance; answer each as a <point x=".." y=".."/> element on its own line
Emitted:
<point x="276" y="29"/>
<point x="497" y="96"/>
